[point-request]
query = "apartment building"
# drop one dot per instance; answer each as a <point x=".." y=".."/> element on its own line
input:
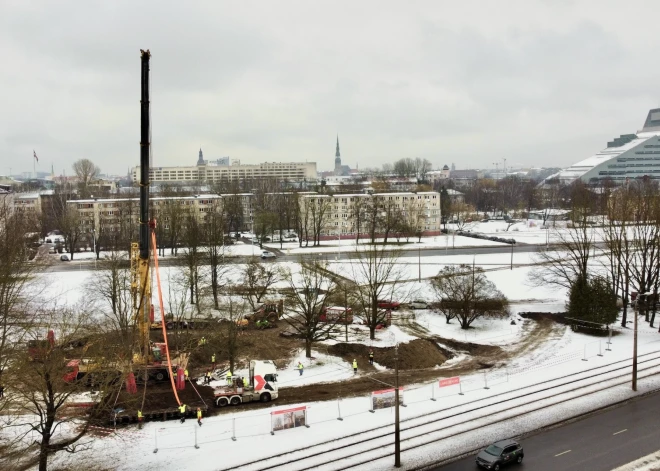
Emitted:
<point x="421" y="209"/>
<point x="289" y="171"/>
<point x="112" y="215"/>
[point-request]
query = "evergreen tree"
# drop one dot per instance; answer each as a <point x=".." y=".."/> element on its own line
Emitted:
<point x="591" y="299"/>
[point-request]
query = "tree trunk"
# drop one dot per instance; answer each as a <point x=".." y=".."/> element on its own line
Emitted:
<point x="624" y="316"/>
<point x="372" y="332"/>
<point x="308" y="348"/>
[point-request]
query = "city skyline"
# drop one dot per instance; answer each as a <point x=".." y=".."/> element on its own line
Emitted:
<point x="469" y="83"/>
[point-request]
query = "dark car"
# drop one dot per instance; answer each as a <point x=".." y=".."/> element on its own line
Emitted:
<point x="389" y="304"/>
<point x="499" y="454"/>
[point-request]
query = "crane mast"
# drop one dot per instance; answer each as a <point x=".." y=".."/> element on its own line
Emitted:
<point x="142" y="302"/>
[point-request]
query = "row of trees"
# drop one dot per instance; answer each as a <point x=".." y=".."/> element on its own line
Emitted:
<point x="627" y="219"/>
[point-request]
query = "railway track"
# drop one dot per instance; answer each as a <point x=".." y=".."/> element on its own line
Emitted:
<point x="349" y="451"/>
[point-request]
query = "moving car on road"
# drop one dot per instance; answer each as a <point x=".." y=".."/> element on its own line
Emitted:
<point x="64" y="258"/>
<point x="499" y="454"/>
<point x="266" y="254"/>
<point x="419" y="304"/>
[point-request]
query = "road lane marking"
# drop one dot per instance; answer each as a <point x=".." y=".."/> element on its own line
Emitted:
<point x="620" y="431"/>
<point x="562" y="453"/>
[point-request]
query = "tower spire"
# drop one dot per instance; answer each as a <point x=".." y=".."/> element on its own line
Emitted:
<point x="337" y="154"/>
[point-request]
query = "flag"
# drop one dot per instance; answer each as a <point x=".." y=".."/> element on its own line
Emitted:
<point x="35" y="155"/>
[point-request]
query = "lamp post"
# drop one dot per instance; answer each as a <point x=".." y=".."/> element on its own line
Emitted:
<point x="94" y="242"/>
<point x="397" y="431"/>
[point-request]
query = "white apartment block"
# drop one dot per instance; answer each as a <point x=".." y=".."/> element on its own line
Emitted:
<point x="291" y="171"/>
<point x="110" y="214"/>
<point x="423" y="207"/>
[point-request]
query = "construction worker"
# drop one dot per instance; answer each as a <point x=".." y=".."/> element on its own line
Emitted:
<point x="182" y="412"/>
<point x="229" y="375"/>
<point x="207" y="377"/>
<point x="185" y="374"/>
<point x="199" y="416"/>
<point x="246" y="383"/>
<point x="213" y="361"/>
<point x="300" y="368"/>
<point x="139" y="419"/>
<point x="371" y="357"/>
<point x="354" y="365"/>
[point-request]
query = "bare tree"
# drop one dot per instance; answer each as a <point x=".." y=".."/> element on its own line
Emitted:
<point x="41" y="388"/>
<point x="86" y="172"/>
<point x="17" y="284"/>
<point x="110" y="289"/>
<point x="467" y="295"/>
<point x="377" y="275"/>
<point x="310" y="292"/>
<point x="214" y="228"/>
<point x="568" y="259"/>
<point x="193" y="256"/>
<point x="71" y="226"/>
<point x="257" y="280"/>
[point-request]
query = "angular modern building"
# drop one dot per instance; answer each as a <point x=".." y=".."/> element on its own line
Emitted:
<point x="628" y="156"/>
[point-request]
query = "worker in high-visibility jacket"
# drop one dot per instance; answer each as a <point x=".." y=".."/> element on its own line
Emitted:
<point x="246" y="383"/>
<point x="300" y="368"/>
<point x="354" y="365"/>
<point x="371" y="357"/>
<point x="229" y="375"/>
<point x="139" y="419"/>
<point x="185" y="374"/>
<point x="182" y="412"/>
<point x="199" y="416"/>
<point x="213" y="361"/>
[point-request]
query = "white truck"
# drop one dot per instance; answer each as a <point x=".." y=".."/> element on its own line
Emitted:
<point x="262" y="386"/>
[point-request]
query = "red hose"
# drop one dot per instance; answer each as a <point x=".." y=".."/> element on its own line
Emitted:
<point x="162" y="315"/>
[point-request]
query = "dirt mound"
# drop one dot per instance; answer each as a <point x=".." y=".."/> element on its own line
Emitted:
<point x="474" y="349"/>
<point x="420" y="353"/>
<point x="559" y="317"/>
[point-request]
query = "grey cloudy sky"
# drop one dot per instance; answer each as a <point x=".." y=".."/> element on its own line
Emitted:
<point x="543" y="83"/>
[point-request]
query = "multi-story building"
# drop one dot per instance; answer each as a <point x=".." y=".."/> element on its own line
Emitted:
<point x="283" y="171"/>
<point x="419" y="210"/>
<point x="626" y="157"/>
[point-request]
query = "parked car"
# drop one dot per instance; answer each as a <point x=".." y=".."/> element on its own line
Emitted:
<point x="500" y="454"/>
<point x="393" y="305"/>
<point x="64" y="258"/>
<point x="266" y="254"/>
<point x="419" y="304"/>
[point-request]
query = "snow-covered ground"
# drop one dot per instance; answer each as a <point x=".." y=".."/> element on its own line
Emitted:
<point x="175" y="442"/>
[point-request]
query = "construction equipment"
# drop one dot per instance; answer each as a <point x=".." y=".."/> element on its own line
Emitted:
<point x="262" y="386"/>
<point x="149" y="360"/>
<point x="264" y="317"/>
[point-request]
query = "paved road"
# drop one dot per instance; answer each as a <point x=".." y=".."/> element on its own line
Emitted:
<point x="600" y="442"/>
<point x="174" y="261"/>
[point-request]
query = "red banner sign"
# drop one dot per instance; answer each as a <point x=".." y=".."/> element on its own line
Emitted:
<point x="286" y="411"/>
<point x="449" y="381"/>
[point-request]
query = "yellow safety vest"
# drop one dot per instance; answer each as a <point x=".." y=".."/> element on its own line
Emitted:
<point x="182" y="408"/>
<point x="300" y="366"/>
<point x="213" y="359"/>
<point x="355" y="364"/>
<point x="199" y="414"/>
<point x="139" y="414"/>
<point x="185" y="372"/>
<point x="245" y="382"/>
<point x="229" y="375"/>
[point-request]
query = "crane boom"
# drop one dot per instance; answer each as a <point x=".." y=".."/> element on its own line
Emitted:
<point x="144" y="299"/>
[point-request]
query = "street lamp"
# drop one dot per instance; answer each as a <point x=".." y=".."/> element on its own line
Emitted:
<point x="397" y="431"/>
<point x="94" y="242"/>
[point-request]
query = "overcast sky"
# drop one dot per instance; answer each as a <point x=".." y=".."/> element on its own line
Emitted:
<point x="540" y="83"/>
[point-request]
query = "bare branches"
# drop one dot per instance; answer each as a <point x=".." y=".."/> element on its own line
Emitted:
<point x="466" y="294"/>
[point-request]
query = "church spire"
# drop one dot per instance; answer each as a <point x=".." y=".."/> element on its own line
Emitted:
<point x="337" y="154"/>
<point x="200" y="160"/>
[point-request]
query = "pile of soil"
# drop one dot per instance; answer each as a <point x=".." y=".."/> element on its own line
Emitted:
<point x="420" y="353"/>
<point x="558" y="317"/>
<point x="474" y="349"/>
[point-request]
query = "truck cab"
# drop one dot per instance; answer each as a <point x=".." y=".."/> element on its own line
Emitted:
<point x="262" y="386"/>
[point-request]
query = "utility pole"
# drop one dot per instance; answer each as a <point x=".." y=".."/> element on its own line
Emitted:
<point x="634" y="365"/>
<point x="397" y="431"/>
<point x="511" y="256"/>
<point x="419" y="264"/>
